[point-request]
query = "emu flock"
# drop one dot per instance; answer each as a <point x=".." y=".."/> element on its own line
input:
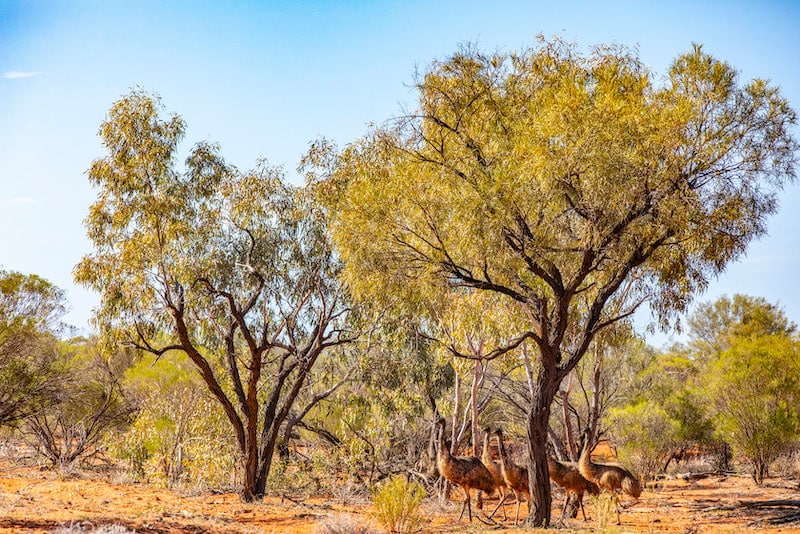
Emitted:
<point x="487" y="475"/>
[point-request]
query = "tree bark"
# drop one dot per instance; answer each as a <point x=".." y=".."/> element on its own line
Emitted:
<point x="544" y="389"/>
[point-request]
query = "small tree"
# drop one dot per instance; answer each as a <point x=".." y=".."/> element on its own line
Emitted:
<point x="755" y="387"/>
<point x="30" y="374"/>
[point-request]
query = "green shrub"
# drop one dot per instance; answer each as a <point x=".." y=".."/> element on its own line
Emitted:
<point x="179" y="437"/>
<point x="397" y="504"/>
<point x="646" y="435"/>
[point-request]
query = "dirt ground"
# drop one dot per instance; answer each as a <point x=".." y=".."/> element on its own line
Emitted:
<point x="44" y="501"/>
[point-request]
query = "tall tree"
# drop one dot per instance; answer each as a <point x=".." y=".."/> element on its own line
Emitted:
<point x="557" y="179"/>
<point x="233" y="269"/>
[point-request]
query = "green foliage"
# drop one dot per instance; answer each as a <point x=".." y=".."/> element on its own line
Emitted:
<point x="545" y="169"/>
<point x="735" y="384"/>
<point x="688" y="408"/>
<point x="64" y="396"/>
<point x="645" y="435"/>
<point x="674" y="381"/>
<point x="755" y="387"/>
<point x="31" y="369"/>
<point x="714" y="325"/>
<point x="179" y="436"/>
<point x="397" y="502"/>
<point x="315" y="468"/>
<point x="29" y="302"/>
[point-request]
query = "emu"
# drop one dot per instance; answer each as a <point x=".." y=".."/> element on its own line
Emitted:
<point x="611" y="478"/>
<point x="516" y="477"/>
<point x="465" y="472"/>
<point x="568" y="476"/>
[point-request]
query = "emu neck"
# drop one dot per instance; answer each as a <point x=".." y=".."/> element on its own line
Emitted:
<point x="444" y="452"/>
<point x="485" y="456"/>
<point x="584" y="460"/>
<point x="502" y="447"/>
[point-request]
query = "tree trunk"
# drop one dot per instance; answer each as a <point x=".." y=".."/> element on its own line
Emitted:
<point x="250" y="490"/>
<point x="760" y="471"/>
<point x="544" y="390"/>
<point x="477" y="378"/>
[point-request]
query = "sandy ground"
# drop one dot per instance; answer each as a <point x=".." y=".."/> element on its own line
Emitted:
<point x="43" y="501"/>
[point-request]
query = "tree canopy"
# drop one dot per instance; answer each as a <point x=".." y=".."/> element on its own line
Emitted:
<point x="713" y="326"/>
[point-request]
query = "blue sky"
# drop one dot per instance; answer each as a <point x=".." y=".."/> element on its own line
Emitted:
<point x="264" y="79"/>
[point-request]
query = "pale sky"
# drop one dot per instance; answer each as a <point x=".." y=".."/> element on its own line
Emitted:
<point x="264" y="79"/>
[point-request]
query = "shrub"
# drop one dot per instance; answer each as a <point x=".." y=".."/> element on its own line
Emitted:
<point x="179" y="436"/>
<point x="90" y="406"/>
<point x="646" y="436"/>
<point x="397" y="502"/>
<point x="605" y="509"/>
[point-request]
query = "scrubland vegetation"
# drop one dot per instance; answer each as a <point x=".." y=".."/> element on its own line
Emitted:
<point x="471" y="265"/>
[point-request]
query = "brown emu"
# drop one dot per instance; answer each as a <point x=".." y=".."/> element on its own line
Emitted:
<point x="567" y="475"/>
<point x="465" y="472"/>
<point x="496" y="469"/>
<point x="611" y="478"/>
<point x="516" y="477"/>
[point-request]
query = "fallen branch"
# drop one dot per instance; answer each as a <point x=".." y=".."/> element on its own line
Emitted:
<point x="771" y="504"/>
<point x="792" y="517"/>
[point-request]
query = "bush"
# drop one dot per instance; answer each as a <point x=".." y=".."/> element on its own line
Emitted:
<point x="605" y="510"/>
<point x="90" y="406"/>
<point x="756" y="392"/>
<point x="645" y="435"/>
<point x="397" y="502"/>
<point x="179" y="437"/>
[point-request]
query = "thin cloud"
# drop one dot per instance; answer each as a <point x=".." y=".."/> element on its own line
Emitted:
<point x="17" y="74"/>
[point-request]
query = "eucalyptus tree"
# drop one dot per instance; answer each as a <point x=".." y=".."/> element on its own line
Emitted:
<point x="571" y="184"/>
<point x="231" y="268"/>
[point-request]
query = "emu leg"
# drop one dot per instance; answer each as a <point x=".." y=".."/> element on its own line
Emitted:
<point x="564" y="508"/>
<point x="466" y="505"/>
<point x="580" y="501"/>
<point x="499" y="504"/>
